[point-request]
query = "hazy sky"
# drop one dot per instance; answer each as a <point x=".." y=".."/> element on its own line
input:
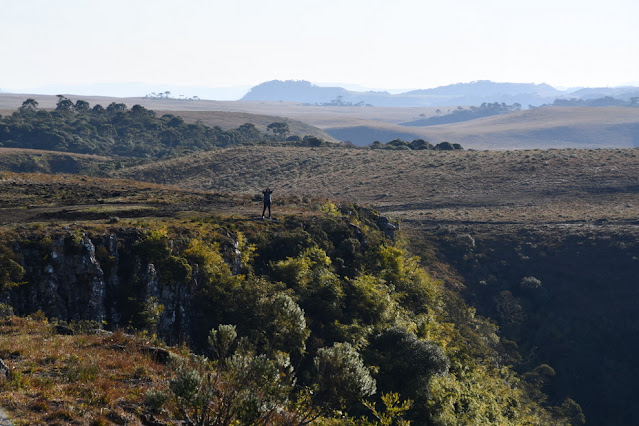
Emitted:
<point x="383" y="44"/>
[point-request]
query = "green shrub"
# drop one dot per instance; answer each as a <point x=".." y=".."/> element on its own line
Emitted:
<point x="148" y="315"/>
<point x="342" y="377"/>
<point x="5" y="310"/>
<point x="175" y="270"/>
<point x="416" y="289"/>
<point x="11" y="272"/>
<point x="222" y="340"/>
<point x="406" y="363"/>
<point x="370" y="300"/>
<point x="155" y="399"/>
<point x="283" y="325"/>
<point x="154" y="246"/>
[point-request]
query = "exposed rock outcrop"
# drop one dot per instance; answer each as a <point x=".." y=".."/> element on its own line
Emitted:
<point x="65" y="280"/>
<point x="387" y="227"/>
<point x="5" y="372"/>
<point x="75" y="277"/>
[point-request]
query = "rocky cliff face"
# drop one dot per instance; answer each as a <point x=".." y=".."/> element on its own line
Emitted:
<point x="79" y="277"/>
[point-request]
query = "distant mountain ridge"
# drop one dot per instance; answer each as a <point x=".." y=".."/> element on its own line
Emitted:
<point x="622" y="93"/>
<point x="293" y="91"/>
<point x="473" y="93"/>
<point x="490" y="88"/>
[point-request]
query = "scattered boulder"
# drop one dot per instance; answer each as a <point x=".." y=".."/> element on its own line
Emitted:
<point x="150" y="420"/>
<point x="385" y="225"/>
<point x="157" y="354"/>
<point x="5" y="373"/>
<point x="118" y="348"/>
<point x="64" y="329"/>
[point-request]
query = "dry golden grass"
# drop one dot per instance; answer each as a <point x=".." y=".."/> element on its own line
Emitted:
<point x="79" y="379"/>
<point x="430" y="187"/>
<point x="43" y="199"/>
<point x="554" y="186"/>
<point x="554" y="127"/>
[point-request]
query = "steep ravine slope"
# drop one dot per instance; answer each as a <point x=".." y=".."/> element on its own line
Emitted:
<point x="567" y="296"/>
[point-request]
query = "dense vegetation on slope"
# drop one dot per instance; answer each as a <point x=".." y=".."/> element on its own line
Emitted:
<point x="598" y="102"/>
<point x="567" y="297"/>
<point x="119" y="131"/>
<point x="299" y="317"/>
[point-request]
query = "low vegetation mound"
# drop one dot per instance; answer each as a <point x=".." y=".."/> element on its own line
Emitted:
<point x="416" y="145"/>
<point x="606" y="101"/>
<point x="39" y="161"/>
<point x="465" y="114"/>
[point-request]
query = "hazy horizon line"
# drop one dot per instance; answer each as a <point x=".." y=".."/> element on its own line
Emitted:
<point x="236" y="92"/>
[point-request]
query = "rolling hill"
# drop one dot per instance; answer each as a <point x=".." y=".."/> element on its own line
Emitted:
<point x="469" y="186"/>
<point x="230" y="120"/>
<point x="473" y="93"/>
<point x="542" y="128"/>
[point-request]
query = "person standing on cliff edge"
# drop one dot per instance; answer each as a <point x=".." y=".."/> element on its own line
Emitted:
<point x="267" y="202"/>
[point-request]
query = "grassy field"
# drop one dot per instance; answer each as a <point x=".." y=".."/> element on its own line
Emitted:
<point x="30" y="160"/>
<point x="553" y="186"/>
<point x="44" y="199"/>
<point x="554" y="127"/>
<point x="420" y="187"/>
<point x="543" y="128"/>
<point x="63" y="379"/>
<point x="325" y="116"/>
